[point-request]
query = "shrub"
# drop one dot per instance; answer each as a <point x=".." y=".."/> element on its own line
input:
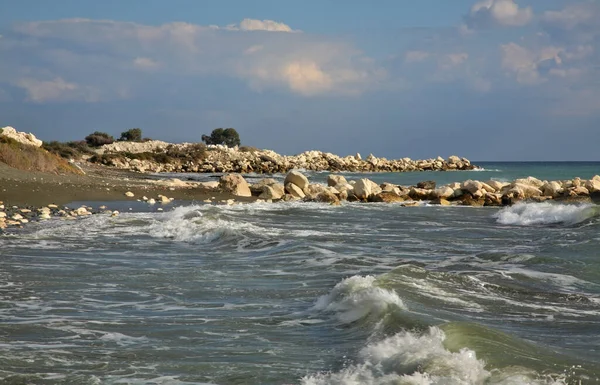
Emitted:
<point x="248" y="149"/>
<point x="31" y="158"/>
<point x="227" y="136"/>
<point x="98" y="139"/>
<point x="132" y="135"/>
<point x="68" y="150"/>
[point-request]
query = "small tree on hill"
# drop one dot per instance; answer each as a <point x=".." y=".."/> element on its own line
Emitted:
<point x="97" y="139"/>
<point x="227" y="136"/>
<point x="132" y="135"/>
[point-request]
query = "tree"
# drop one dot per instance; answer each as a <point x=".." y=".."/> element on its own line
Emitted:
<point x="132" y="135"/>
<point x="227" y="136"/>
<point x="97" y="139"/>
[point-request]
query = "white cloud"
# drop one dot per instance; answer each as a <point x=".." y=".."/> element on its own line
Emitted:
<point x="56" y="89"/>
<point x="145" y="63"/>
<point x="301" y="63"/>
<point x="416" y="56"/>
<point x="494" y="13"/>
<point x="264" y="25"/>
<point x="526" y="64"/>
<point x="570" y="17"/>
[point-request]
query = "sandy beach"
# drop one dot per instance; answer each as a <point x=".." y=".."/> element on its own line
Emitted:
<point x="100" y="183"/>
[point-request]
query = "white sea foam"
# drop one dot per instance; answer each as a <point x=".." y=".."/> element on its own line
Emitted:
<point x="192" y="224"/>
<point x="356" y="297"/>
<point x="526" y="214"/>
<point x="411" y="358"/>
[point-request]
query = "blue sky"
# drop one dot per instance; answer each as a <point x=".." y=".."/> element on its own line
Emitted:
<point x="487" y="79"/>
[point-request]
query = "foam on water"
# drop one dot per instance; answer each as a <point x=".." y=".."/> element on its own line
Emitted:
<point x="357" y="297"/>
<point x="421" y="358"/>
<point x="527" y="214"/>
<point x="199" y="225"/>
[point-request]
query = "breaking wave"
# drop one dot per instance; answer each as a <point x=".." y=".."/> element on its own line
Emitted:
<point x="527" y="214"/>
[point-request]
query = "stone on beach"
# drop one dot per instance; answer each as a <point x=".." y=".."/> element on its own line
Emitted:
<point x="334" y="180"/>
<point x="275" y="191"/>
<point x="129" y="194"/>
<point x="297" y="178"/>
<point x="294" y="190"/>
<point x="235" y="184"/>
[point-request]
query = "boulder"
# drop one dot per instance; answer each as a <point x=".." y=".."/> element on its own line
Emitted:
<point x="523" y="191"/>
<point x="453" y="159"/>
<point x="530" y="181"/>
<point x="419" y="194"/>
<point x="363" y="189"/>
<point x="235" y="184"/>
<point x="211" y="185"/>
<point x="552" y="189"/>
<point x="427" y="185"/>
<point x="496" y="185"/>
<point x="21" y="137"/>
<point x="440" y="201"/>
<point x="129" y="194"/>
<point x="327" y="197"/>
<point x="387" y="197"/>
<point x="334" y="180"/>
<point x="273" y="192"/>
<point x="297" y="178"/>
<point x="444" y="192"/>
<point x="472" y="186"/>
<point x="257" y="188"/>
<point x="295" y="191"/>
<point x="313" y="189"/>
<point x="593" y="185"/>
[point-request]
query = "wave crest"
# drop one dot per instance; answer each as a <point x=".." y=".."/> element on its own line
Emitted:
<point x="357" y="297"/>
<point x="527" y="214"/>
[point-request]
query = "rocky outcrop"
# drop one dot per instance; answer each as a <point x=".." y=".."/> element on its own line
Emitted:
<point x="21" y="137"/>
<point x="222" y="159"/>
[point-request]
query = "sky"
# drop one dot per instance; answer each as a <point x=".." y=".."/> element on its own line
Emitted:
<point x="490" y="80"/>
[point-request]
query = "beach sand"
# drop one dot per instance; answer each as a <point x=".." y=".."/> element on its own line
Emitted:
<point x="100" y="183"/>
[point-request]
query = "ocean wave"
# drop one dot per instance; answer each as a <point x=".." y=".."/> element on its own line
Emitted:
<point x="357" y="297"/>
<point x="527" y="214"/>
<point x="203" y="224"/>
<point x="421" y="358"/>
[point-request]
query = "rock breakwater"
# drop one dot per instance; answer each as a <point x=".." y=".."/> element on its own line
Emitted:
<point x="467" y="193"/>
<point x="156" y="156"/>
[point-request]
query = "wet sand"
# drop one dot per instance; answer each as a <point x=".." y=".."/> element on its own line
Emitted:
<point x="100" y="183"/>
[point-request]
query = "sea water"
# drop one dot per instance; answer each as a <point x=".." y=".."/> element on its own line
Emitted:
<point x="307" y="293"/>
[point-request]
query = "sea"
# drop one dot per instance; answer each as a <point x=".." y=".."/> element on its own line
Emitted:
<point x="309" y="293"/>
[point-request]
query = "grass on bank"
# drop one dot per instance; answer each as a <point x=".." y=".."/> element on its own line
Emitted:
<point x="172" y="154"/>
<point x="30" y="158"/>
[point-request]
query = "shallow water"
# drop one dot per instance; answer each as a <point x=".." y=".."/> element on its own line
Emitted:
<point x="303" y="293"/>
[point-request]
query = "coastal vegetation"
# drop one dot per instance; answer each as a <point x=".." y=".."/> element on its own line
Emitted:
<point x="68" y="150"/>
<point x="131" y="135"/>
<point x="31" y="158"/>
<point x="228" y="137"/>
<point x="97" y="139"/>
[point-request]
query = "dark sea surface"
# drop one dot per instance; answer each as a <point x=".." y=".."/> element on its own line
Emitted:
<point x="307" y="293"/>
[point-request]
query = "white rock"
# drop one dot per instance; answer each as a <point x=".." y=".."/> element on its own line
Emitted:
<point x="82" y="211"/>
<point x="17" y="217"/>
<point x="151" y="201"/>
<point x="472" y="186"/>
<point x="334" y="180"/>
<point x="44" y="215"/>
<point x="294" y="190"/>
<point x="530" y="181"/>
<point x="443" y="192"/>
<point x="235" y="184"/>
<point x="2" y="214"/>
<point x="363" y="188"/>
<point x="275" y="191"/>
<point x="129" y="194"/>
<point x="21" y="137"/>
<point x="114" y="213"/>
<point x="213" y="184"/>
<point x="496" y="185"/>
<point x="593" y="185"/>
<point x="297" y="178"/>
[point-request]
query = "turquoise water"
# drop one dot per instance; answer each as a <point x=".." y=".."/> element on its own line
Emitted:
<point x="305" y="293"/>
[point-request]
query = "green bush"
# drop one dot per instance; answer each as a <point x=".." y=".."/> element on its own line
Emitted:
<point x="227" y="136"/>
<point x="98" y="139"/>
<point x="68" y="150"/>
<point x="132" y="135"/>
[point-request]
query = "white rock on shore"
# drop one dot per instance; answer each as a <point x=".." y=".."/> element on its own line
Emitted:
<point x="21" y="137"/>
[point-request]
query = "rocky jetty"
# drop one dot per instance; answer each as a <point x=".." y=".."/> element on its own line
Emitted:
<point x="153" y="156"/>
<point x="468" y="193"/>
